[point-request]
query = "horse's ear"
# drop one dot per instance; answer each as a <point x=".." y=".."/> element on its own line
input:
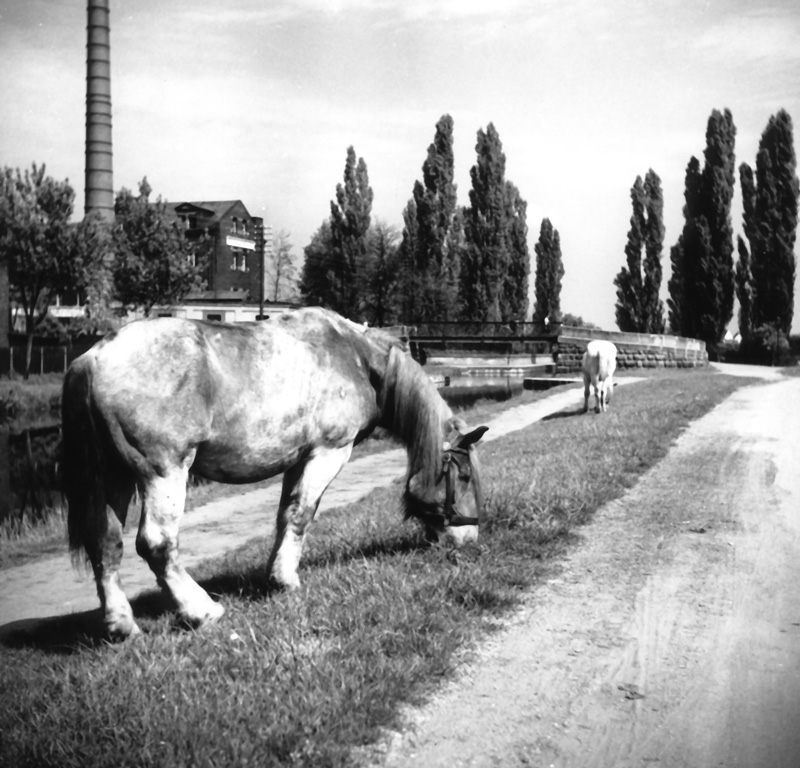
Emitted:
<point x="472" y="437"/>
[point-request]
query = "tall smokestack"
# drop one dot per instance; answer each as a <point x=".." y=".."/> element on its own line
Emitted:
<point x="99" y="177"/>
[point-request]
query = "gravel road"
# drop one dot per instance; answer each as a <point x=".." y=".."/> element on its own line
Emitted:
<point x="672" y="635"/>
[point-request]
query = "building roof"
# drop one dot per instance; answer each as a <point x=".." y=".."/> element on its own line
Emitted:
<point x="218" y="208"/>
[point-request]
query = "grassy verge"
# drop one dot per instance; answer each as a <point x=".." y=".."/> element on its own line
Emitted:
<point x="37" y="394"/>
<point x="303" y="679"/>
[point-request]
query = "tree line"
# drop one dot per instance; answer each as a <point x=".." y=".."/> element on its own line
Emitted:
<point x="449" y="263"/>
<point x="705" y="278"/>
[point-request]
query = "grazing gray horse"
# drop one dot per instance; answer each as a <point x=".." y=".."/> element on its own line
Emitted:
<point x="238" y="404"/>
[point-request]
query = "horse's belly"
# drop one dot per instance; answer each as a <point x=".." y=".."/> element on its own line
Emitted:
<point x="228" y="464"/>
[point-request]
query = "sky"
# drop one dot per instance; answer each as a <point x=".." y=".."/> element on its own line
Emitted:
<point x="259" y="101"/>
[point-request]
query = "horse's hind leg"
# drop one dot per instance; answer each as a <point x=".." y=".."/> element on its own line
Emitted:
<point x="609" y="388"/>
<point x="157" y="542"/>
<point x="106" y="559"/>
<point x="303" y="486"/>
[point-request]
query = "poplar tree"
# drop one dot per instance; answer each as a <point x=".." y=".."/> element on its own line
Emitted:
<point x="428" y="284"/>
<point x="519" y="267"/>
<point x="350" y="223"/>
<point x="766" y="272"/>
<point x="702" y="284"/>
<point x="494" y="254"/>
<point x="409" y="295"/>
<point x="549" y="273"/>
<point x="486" y="259"/>
<point x="639" y="308"/>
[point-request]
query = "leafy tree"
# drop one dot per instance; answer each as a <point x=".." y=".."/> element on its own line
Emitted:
<point x="44" y="253"/>
<point x="549" y="272"/>
<point x="766" y="274"/>
<point x="154" y="263"/>
<point x="350" y="223"/>
<point x="489" y="261"/>
<point x="318" y="285"/>
<point x="702" y="283"/>
<point x="639" y="308"/>
<point x="280" y="269"/>
<point x="380" y="275"/>
<point x="576" y="321"/>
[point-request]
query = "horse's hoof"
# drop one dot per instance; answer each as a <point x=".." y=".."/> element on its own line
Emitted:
<point x="211" y="615"/>
<point x="122" y="628"/>
<point x="284" y="585"/>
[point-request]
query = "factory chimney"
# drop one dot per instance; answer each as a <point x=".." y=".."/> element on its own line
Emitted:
<point x="99" y="190"/>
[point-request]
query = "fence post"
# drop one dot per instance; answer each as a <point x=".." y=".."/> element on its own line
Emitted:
<point x="5" y="473"/>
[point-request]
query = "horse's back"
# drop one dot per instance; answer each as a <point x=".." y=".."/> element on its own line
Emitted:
<point x="250" y="397"/>
<point x="600" y="359"/>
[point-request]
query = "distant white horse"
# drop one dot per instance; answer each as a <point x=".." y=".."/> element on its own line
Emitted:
<point x="599" y="364"/>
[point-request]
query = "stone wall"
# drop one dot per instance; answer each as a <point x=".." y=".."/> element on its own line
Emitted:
<point x="634" y="350"/>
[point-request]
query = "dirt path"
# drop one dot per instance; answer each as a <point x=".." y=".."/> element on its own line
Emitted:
<point x="672" y="635"/>
<point x="52" y="587"/>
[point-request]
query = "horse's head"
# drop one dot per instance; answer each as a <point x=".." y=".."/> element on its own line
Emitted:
<point x="451" y="508"/>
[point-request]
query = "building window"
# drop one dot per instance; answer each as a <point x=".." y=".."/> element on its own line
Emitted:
<point x="191" y="258"/>
<point x="214" y="317"/>
<point x="234" y="225"/>
<point x="239" y="259"/>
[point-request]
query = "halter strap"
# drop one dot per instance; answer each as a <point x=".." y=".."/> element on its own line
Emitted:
<point x="453" y="518"/>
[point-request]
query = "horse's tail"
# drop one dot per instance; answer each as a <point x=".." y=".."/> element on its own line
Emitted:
<point x="81" y="462"/>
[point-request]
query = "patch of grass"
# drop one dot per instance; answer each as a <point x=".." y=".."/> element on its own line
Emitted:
<point x="303" y="679"/>
<point x="24" y="540"/>
<point x="39" y="394"/>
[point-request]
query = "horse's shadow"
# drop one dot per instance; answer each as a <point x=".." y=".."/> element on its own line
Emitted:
<point x="74" y="633"/>
<point x="564" y="414"/>
<point x="57" y="635"/>
<point x="253" y="583"/>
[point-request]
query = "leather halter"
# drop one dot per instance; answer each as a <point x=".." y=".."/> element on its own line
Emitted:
<point x="450" y="464"/>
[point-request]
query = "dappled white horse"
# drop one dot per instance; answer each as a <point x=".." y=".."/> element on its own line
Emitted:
<point x="238" y="404"/>
<point x="599" y="364"/>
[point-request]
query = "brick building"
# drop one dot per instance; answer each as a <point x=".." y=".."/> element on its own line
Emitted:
<point x="233" y="245"/>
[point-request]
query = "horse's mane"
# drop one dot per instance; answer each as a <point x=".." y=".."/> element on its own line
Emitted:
<point x="415" y="413"/>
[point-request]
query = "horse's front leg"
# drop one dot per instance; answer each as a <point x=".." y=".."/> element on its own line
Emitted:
<point x="303" y="486"/>
<point x="157" y="542"/>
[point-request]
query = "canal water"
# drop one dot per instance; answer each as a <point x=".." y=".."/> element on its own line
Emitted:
<point x="463" y="391"/>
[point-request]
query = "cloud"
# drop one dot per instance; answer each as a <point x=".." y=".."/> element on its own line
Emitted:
<point x="755" y="36"/>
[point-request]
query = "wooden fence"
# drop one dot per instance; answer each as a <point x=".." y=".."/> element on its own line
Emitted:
<point x="46" y="357"/>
